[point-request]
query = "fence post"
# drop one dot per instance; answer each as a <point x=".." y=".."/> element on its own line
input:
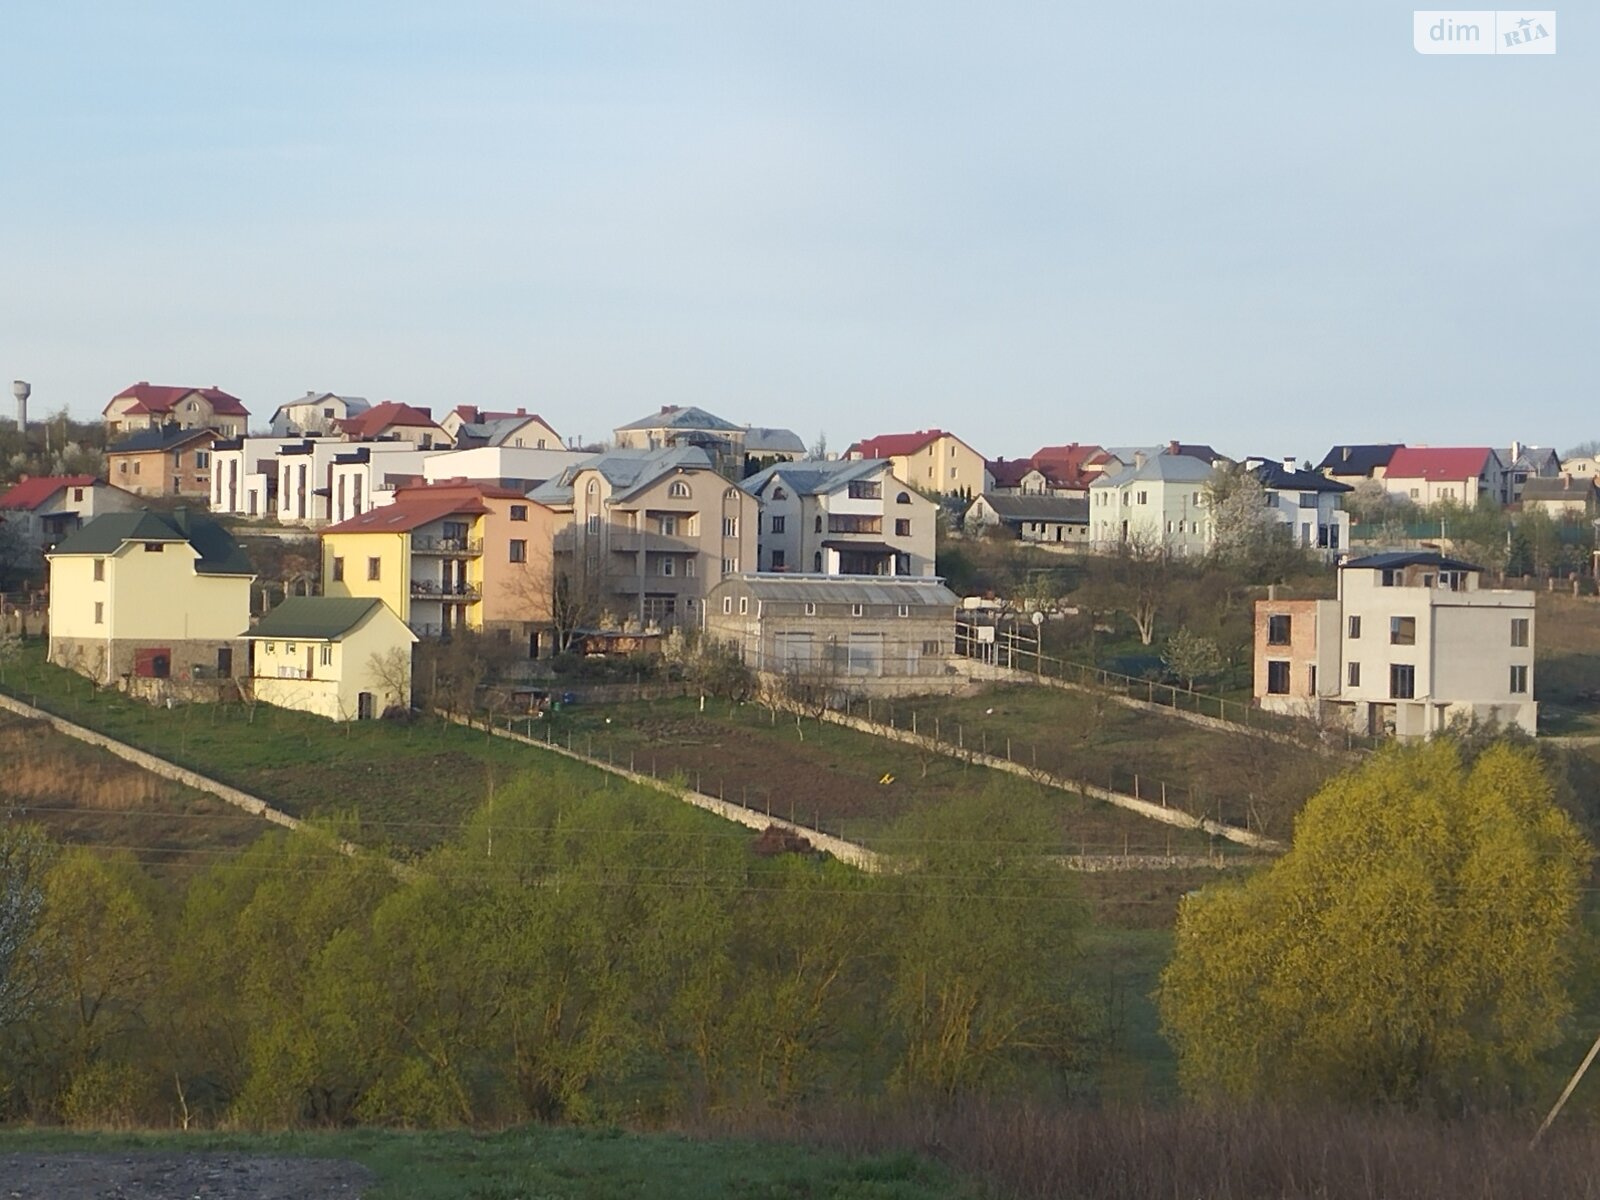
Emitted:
<point x="913" y="722"/>
<point x="1008" y="749"/>
<point x="1136" y="787"/>
<point x="1163" y="793"/>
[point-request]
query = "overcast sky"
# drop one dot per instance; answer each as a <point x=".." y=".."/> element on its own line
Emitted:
<point x="1268" y="226"/>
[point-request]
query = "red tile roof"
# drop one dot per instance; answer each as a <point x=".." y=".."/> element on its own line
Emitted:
<point x="154" y="398"/>
<point x="888" y="445"/>
<point x="1067" y="460"/>
<point x="407" y="514"/>
<point x="31" y="493"/>
<point x="384" y="416"/>
<point x="1442" y="463"/>
<point x="1009" y="472"/>
<point x="460" y="486"/>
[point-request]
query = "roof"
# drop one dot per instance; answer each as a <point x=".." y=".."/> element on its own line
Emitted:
<point x="848" y="589"/>
<point x="493" y="429"/>
<point x="352" y="404"/>
<point x="1010" y="473"/>
<point x="815" y="477"/>
<point x="31" y="493"/>
<point x="1439" y="463"/>
<point x="406" y="513"/>
<point x="383" y="416"/>
<point x="627" y="471"/>
<point x="672" y="416"/>
<point x="1358" y="460"/>
<point x="106" y="534"/>
<point x="1169" y="468"/>
<point x="163" y="437"/>
<point x="760" y="439"/>
<point x="1275" y="476"/>
<point x="1071" y="510"/>
<point x="315" y="618"/>
<point x="154" y="398"/>
<point x="1068" y="460"/>
<point x="1540" y="487"/>
<point x="1194" y="450"/>
<point x="892" y="445"/>
<point x="1408" y="558"/>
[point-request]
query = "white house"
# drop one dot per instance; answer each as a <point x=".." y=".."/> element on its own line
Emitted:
<point x="1411" y="642"/>
<point x="843" y="517"/>
<point x="1308" y="502"/>
<point x="48" y="508"/>
<point x="1158" y="501"/>
<point x="341" y="657"/>
<point x="1056" y="520"/>
<point x="316" y="413"/>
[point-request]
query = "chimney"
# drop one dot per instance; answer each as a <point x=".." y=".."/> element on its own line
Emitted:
<point x="1346" y="453"/>
<point x="522" y="412"/>
<point x="21" y="390"/>
<point x="1289" y="464"/>
<point x="1272" y="591"/>
<point x="1172" y="447"/>
<point x="1138" y="459"/>
<point x="1516" y="451"/>
<point x="180" y="518"/>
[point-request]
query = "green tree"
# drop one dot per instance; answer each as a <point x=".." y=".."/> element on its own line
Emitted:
<point x="1412" y="947"/>
<point x="1190" y="656"/>
<point x="25" y="856"/>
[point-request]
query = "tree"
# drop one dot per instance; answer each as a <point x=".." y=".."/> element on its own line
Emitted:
<point x="16" y="555"/>
<point x="1245" y="536"/>
<point x="1136" y="581"/>
<point x="25" y="855"/>
<point x="714" y="668"/>
<point x="1190" y="656"/>
<point x="1412" y="947"/>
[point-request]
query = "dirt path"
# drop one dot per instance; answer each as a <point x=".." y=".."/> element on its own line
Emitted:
<point x="157" y="1176"/>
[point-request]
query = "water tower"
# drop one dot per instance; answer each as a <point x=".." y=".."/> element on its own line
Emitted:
<point x="21" y="391"/>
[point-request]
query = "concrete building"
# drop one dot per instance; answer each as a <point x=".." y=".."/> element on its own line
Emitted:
<point x="164" y="461"/>
<point x="1308" y="502"/>
<point x="47" y="509"/>
<point x="316" y="413"/>
<point x="1411" y="643"/>
<point x="343" y="658"/>
<point x="931" y="460"/>
<point x="1052" y="520"/>
<point x="842" y="517"/>
<point x="1157" y="502"/>
<point x="151" y="406"/>
<point x="688" y="427"/>
<point x="471" y="427"/>
<point x="839" y="635"/>
<point x="244" y="475"/>
<point x="151" y="595"/>
<point x="1463" y="475"/>
<point x="651" y="532"/>
<point x="396" y="422"/>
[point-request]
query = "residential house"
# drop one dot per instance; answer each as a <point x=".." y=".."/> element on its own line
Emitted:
<point x="652" y="531"/>
<point x="367" y="475"/>
<point x="1308" y="502"/>
<point x="165" y="461"/>
<point x="396" y="422"/>
<point x="843" y="635"/>
<point x="1580" y="465"/>
<point x="930" y="460"/>
<point x="1351" y="464"/>
<point x="842" y="517"/>
<point x="765" y="447"/>
<point x="244" y="475"/>
<point x="1411" y="643"/>
<point x="451" y="556"/>
<point x="1561" y="497"/>
<point x="520" y="467"/>
<point x="341" y="657"/>
<point x="676" y="426"/>
<point x="469" y="425"/>
<point x="1159" y="501"/>
<point x="319" y="413"/>
<point x="149" y="595"/>
<point x="1055" y="520"/>
<point x="1463" y="475"/>
<point x="150" y="406"/>
<point x="1523" y="463"/>
<point x="1016" y="477"/>
<point x="1069" y="470"/>
<point x="48" y="508"/>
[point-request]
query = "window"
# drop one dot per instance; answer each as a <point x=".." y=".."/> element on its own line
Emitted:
<point x="136" y="467"/>
<point x="863" y="489"/>
<point x="374" y="568"/>
<point x="99" y="612"/>
<point x="325" y="655"/>
<point x="1519" y="681"/>
<point x="1402" y="631"/>
<point x="665" y="565"/>
<point x="779" y="560"/>
<point x="689" y="567"/>
<point x="727" y="605"/>
<point x="903" y="610"/>
<point x="122" y="467"/>
<point x="338" y="569"/>
<point x="1352" y="674"/>
<point x="816" y="562"/>
<point x="592" y="525"/>
<point x="201" y="459"/>
<point x="744" y="605"/>
<point x="903" y="498"/>
<point x="77" y="495"/>
<point x="99" y="570"/>
<point x="778" y="524"/>
<point x="730" y="526"/>
<point x="1277" y="678"/>
<point x="1402" y="681"/>
<point x="1143" y="497"/>
<point x="730" y="566"/>
<point x="288" y="647"/>
<point x="731" y="494"/>
<point x="1278" y="630"/>
<point x="519" y="512"/>
<point x="810" y="609"/>
<point x="1355" y="627"/>
<point x="519" y="550"/>
<point x="1391" y="578"/>
<point x="855" y="610"/>
<point x="930" y="648"/>
<point x="818" y="528"/>
<point x="1519" y="632"/>
<point x="902" y="527"/>
<point x="678" y="490"/>
<point x="154" y="547"/>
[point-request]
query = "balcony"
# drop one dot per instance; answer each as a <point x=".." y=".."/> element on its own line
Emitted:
<point x="849" y="523"/>
<point x="452" y="547"/>
<point x="455" y="593"/>
<point x="628" y="541"/>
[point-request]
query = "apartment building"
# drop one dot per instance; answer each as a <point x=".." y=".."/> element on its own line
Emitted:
<point x="651" y="532"/>
<point x="1412" y="642"/>
<point x="843" y="517"/>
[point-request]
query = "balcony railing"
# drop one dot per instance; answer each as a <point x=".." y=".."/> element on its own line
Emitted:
<point x="422" y="543"/>
<point x="457" y="593"/>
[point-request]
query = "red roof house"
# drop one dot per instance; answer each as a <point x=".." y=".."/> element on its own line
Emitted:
<point x="1434" y="474"/>
<point x="149" y="406"/>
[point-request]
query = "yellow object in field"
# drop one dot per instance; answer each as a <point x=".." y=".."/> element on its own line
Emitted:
<point x="887" y="779"/>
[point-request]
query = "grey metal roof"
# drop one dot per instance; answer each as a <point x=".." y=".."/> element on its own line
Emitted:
<point x="815" y="477"/>
<point x="688" y="417"/>
<point x="352" y="404"/>
<point x="847" y="589"/>
<point x="627" y="471"/>
<point x="315" y="618"/>
<point x="759" y="439"/>
<point x="1560" y="487"/>
<point x="1169" y="468"/>
<point x="1071" y="510"/>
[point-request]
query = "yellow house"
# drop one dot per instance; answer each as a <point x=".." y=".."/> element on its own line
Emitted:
<point x="930" y="460"/>
<point x="149" y="595"/>
<point x="343" y="658"/>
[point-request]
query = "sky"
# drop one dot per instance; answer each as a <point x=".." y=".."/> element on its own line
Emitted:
<point x="1266" y="226"/>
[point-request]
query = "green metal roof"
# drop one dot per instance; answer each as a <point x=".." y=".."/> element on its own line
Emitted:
<point x="106" y="534"/>
<point x="314" y="618"/>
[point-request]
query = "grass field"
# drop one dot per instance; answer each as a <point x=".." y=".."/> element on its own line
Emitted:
<point x="548" y="1162"/>
<point x="1566" y="677"/>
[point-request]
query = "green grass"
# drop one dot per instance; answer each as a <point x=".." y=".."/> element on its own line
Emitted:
<point x="550" y="1163"/>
